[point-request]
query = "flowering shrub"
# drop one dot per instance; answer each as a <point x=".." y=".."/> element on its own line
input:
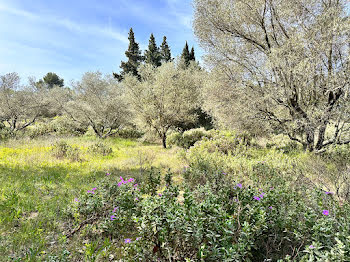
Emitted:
<point x="241" y="223"/>
<point x="111" y="204"/>
<point x="233" y="222"/>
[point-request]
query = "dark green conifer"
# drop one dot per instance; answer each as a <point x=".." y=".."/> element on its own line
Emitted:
<point x="134" y="58"/>
<point x="152" y="55"/>
<point x="192" y="56"/>
<point x="185" y="56"/>
<point x="165" y="51"/>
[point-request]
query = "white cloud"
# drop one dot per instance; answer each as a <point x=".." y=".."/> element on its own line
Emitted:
<point x="67" y="24"/>
<point x="183" y="16"/>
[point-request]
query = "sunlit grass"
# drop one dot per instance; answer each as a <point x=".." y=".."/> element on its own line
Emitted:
<point x="36" y="187"/>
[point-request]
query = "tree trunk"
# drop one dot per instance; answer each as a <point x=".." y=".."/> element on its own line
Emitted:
<point x="310" y="138"/>
<point x="321" y="134"/>
<point x="164" y="140"/>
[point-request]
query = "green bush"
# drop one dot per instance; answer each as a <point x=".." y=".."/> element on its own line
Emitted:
<point x="219" y="222"/>
<point x="59" y="125"/>
<point x="39" y="129"/>
<point x="188" y="138"/>
<point x="5" y="132"/>
<point x="62" y="150"/>
<point x="100" y="148"/>
<point x="174" y="138"/>
<point x="113" y="204"/>
<point x="64" y="125"/>
<point x="130" y="133"/>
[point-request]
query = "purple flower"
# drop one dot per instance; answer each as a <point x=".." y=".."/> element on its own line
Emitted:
<point x="135" y="185"/>
<point x="115" y="209"/>
<point x="329" y="193"/>
<point x="325" y="212"/>
<point x="235" y="200"/>
<point x="138" y="238"/>
<point x="120" y="183"/>
<point x="136" y="198"/>
<point x="270" y="207"/>
<point x="159" y="194"/>
<point x="234" y="188"/>
<point x="224" y="173"/>
<point x="127" y="240"/>
<point x="94" y="188"/>
<point x="257" y="198"/>
<point x="92" y="192"/>
<point x="108" y="174"/>
<point x="260" y="189"/>
<point x="76" y="200"/>
<point x="113" y="217"/>
<point x="262" y="195"/>
<point x="311" y="246"/>
<point x="239" y="185"/>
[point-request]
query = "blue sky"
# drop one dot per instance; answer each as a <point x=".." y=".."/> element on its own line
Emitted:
<point x="76" y="36"/>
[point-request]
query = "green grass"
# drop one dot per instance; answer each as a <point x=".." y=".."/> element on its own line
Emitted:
<point x="35" y="188"/>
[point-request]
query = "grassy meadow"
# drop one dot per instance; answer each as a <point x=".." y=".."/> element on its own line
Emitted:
<point x="46" y="186"/>
<point x="36" y="187"/>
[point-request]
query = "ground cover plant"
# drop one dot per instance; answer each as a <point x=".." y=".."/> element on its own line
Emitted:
<point x="242" y="202"/>
<point x="36" y="187"/>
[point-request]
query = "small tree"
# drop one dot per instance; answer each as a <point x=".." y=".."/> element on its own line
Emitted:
<point x="20" y="106"/>
<point x="164" y="96"/>
<point x="152" y="55"/>
<point x="98" y="102"/>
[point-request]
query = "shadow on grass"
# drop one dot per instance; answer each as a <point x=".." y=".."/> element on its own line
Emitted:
<point x="33" y="202"/>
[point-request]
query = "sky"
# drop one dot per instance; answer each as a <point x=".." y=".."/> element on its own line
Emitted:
<point x="71" y="37"/>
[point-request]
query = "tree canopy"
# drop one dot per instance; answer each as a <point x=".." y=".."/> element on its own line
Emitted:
<point x="99" y="102"/>
<point x="20" y="106"/>
<point x="50" y="80"/>
<point x="164" y="96"/>
<point x="283" y="63"/>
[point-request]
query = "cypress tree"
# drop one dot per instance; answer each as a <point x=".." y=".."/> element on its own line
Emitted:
<point x="192" y="56"/>
<point x="165" y="51"/>
<point x="152" y="55"/>
<point x="185" y="56"/>
<point x="134" y="58"/>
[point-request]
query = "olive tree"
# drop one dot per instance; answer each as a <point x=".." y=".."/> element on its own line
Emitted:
<point x="98" y="101"/>
<point x="164" y="96"/>
<point x="20" y="106"/>
<point x="282" y="62"/>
